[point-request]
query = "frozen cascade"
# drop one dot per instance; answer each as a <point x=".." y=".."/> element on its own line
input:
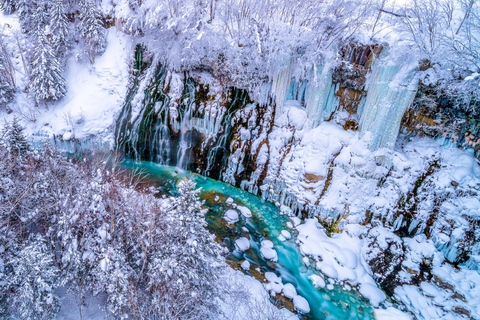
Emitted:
<point x="151" y="126"/>
<point x="321" y="100"/>
<point x="186" y="113"/>
<point x="316" y="92"/>
<point x="391" y="88"/>
<point x="280" y="86"/>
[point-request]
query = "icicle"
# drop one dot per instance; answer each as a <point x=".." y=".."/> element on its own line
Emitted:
<point x="391" y="87"/>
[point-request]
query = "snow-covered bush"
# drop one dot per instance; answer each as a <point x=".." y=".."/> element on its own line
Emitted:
<point x="33" y="282"/>
<point x="147" y="256"/>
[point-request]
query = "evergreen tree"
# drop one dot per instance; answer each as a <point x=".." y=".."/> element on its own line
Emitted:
<point x="184" y="271"/>
<point x="15" y="138"/>
<point x="59" y="28"/>
<point x="34" y="279"/>
<point x="8" y="6"/>
<point x="92" y="30"/>
<point x="46" y="80"/>
<point x="25" y="9"/>
<point x="7" y="82"/>
<point x="41" y="17"/>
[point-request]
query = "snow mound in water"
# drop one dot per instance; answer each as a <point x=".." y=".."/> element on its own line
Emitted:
<point x="245" y="265"/>
<point x="267" y="251"/>
<point x="231" y="216"/>
<point x="286" y="234"/>
<point x="274" y="284"/>
<point x="317" y="281"/>
<point x="242" y="244"/>
<point x="289" y="291"/>
<point x="245" y="211"/>
<point x="301" y="304"/>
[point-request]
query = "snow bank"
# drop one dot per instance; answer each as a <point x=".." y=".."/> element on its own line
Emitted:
<point x="339" y="258"/>
<point x="95" y="92"/>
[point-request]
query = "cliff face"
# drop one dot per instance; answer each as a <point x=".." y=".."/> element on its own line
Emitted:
<point x="327" y="146"/>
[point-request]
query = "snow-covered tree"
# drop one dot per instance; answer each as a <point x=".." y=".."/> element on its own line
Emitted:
<point x="25" y="10"/>
<point x="184" y="272"/>
<point x="15" y="138"/>
<point x="46" y="80"/>
<point x="8" y="6"/>
<point x="34" y="280"/>
<point x="7" y="80"/>
<point x="92" y="30"/>
<point x="59" y="28"/>
<point x="41" y="17"/>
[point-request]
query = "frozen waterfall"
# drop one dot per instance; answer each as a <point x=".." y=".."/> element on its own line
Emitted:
<point x="391" y="87"/>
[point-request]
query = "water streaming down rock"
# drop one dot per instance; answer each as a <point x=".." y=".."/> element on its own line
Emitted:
<point x="193" y="121"/>
<point x="391" y="88"/>
<point x="171" y="119"/>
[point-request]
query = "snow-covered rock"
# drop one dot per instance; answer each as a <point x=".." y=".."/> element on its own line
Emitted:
<point x="301" y="304"/>
<point x="231" y="216"/>
<point x="267" y="251"/>
<point x="242" y="244"/>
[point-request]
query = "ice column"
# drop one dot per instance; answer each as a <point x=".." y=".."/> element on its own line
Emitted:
<point x="391" y="87"/>
<point x="321" y="100"/>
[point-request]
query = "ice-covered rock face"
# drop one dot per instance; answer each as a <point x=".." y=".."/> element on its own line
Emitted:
<point x="298" y="146"/>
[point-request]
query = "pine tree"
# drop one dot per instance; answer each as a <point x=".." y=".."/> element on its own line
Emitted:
<point x="8" y="6"/>
<point x="25" y="9"/>
<point x="92" y="30"/>
<point x="34" y="280"/>
<point x="59" y="28"/>
<point x="41" y="17"/>
<point x="46" y="80"/>
<point x="7" y="81"/>
<point x="15" y="138"/>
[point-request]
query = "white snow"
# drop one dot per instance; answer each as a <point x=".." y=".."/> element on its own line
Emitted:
<point x="244" y="211"/>
<point x="274" y="284"/>
<point x="245" y="265"/>
<point x="289" y="291"/>
<point x="267" y="251"/>
<point x="286" y="234"/>
<point x="242" y="244"/>
<point x="231" y="216"/>
<point x="390" y="314"/>
<point x="340" y="258"/>
<point x="317" y="281"/>
<point x="301" y="304"/>
<point x="95" y="93"/>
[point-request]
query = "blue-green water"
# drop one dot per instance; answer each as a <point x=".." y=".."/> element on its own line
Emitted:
<point x="266" y="223"/>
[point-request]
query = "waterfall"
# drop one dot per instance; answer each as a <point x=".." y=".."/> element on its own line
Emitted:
<point x="315" y="92"/>
<point x="218" y="154"/>
<point x="321" y="100"/>
<point x="391" y="87"/>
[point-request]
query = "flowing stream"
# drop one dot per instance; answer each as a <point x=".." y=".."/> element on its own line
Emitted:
<point x="266" y="223"/>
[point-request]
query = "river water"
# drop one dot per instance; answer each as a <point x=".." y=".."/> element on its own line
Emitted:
<point x="266" y="223"/>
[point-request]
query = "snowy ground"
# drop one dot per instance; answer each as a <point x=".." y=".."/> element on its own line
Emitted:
<point x="333" y="169"/>
<point x="248" y="299"/>
<point x="95" y="92"/>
